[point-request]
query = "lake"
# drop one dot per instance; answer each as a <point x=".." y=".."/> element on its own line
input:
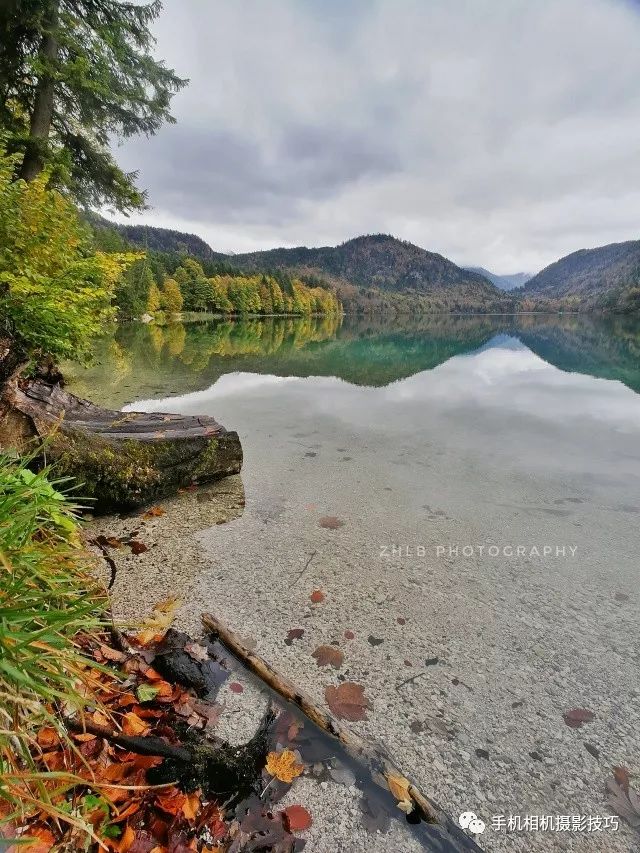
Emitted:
<point x="465" y="491"/>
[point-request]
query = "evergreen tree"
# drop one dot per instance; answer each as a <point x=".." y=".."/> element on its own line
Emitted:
<point x="74" y="74"/>
<point x="132" y="292"/>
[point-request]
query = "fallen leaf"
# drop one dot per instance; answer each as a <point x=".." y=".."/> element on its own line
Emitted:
<point x="293" y="634"/>
<point x="112" y="654"/>
<point x="401" y="620"/>
<point x="160" y="620"/>
<point x="137" y="547"/>
<point x="171" y="801"/>
<point x="236" y="687"/>
<point x="349" y="635"/>
<point x="621" y="775"/>
<point x="196" y="651"/>
<point x="330" y="522"/>
<point x="283" y="765"/>
<point x="374" y="641"/>
<point x="297" y="818"/>
<point x="191" y="805"/>
<point x="48" y="737"/>
<point x="576" y="717"/>
<point x="146" y="692"/>
<point x="154" y="512"/>
<point x="317" y="596"/>
<point x="342" y="774"/>
<point x="347" y="701"/>
<point x="125" y="842"/>
<point x="399" y="787"/>
<point x="133" y="725"/>
<point x="328" y="656"/>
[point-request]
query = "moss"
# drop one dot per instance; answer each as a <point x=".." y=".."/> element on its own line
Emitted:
<point x="128" y="473"/>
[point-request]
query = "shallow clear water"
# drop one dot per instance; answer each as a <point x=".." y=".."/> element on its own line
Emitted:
<point x="483" y="480"/>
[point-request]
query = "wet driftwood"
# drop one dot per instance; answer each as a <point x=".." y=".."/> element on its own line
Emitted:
<point x="120" y="460"/>
<point x="372" y="756"/>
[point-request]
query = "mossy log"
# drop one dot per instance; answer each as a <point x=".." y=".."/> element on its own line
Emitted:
<point x="120" y="460"/>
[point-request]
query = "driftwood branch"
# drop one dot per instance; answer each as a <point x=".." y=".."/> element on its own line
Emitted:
<point x="355" y="746"/>
<point x="140" y="745"/>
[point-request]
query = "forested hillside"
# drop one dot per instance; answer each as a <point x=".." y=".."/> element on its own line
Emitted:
<point x="607" y="277"/>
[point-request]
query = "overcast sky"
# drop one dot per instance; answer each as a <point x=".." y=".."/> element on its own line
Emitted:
<point x="501" y="133"/>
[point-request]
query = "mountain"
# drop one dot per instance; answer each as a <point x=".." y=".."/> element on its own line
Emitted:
<point x="376" y="260"/>
<point x="373" y="273"/>
<point x="503" y="282"/>
<point x="386" y="270"/>
<point x="607" y="277"/>
<point x="159" y="239"/>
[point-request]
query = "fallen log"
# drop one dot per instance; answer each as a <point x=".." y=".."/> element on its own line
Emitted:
<point x="361" y="750"/>
<point x="120" y="460"/>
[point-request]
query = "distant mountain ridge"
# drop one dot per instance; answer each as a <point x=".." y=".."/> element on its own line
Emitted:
<point x="380" y="272"/>
<point x="604" y="277"/>
<point x="503" y="282"/>
<point x="375" y="260"/>
<point x="372" y="272"/>
<point x="160" y="239"/>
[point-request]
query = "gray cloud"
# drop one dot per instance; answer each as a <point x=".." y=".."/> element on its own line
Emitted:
<point x="502" y="134"/>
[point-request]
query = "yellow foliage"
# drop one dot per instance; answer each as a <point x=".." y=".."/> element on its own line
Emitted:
<point x="284" y="765"/>
<point x="160" y="620"/>
<point x="55" y="291"/>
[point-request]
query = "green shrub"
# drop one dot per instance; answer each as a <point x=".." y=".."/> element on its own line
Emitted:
<point x="47" y="598"/>
<point x="55" y="291"/>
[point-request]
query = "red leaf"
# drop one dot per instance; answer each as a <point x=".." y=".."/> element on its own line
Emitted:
<point x="349" y="635"/>
<point x="137" y="547"/>
<point x="347" y="701"/>
<point x="234" y="687"/>
<point x="621" y="775"/>
<point x="297" y="818"/>
<point x="576" y="717"/>
<point x="317" y="596"/>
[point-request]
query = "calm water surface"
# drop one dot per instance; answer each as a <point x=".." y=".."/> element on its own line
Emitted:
<point x="431" y="442"/>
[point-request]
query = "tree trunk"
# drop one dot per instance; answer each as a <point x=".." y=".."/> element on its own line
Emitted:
<point x="42" y="114"/>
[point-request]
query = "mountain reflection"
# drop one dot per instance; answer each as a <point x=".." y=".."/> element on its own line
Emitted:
<point x="150" y="361"/>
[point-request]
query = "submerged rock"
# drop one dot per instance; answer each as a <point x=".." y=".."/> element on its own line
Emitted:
<point x="120" y="460"/>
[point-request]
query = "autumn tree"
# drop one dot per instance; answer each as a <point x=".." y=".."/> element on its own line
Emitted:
<point x="154" y="299"/>
<point x="55" y="290"/>
<point x="74" y="75"/>
<point x="172" y="296"/>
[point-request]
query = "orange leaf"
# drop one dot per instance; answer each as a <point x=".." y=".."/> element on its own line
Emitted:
<point x="48" y="737"/>
<point x="297" y="818"/>
<point x="154" y="512"/>
<point x="132" y="808"/>
<point x="284" y="765"/>
<point x="152" y="674"/>
<point x="328" y="656"/>
<point x="125" y="841"/>
<point x="84" y="738"/>
<point x="347" y="701"/>
<point x="44" y="840"/>
<point x="133" y="725"/>
<point x="172" y="801"/>
<point x="191" y="805"/>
